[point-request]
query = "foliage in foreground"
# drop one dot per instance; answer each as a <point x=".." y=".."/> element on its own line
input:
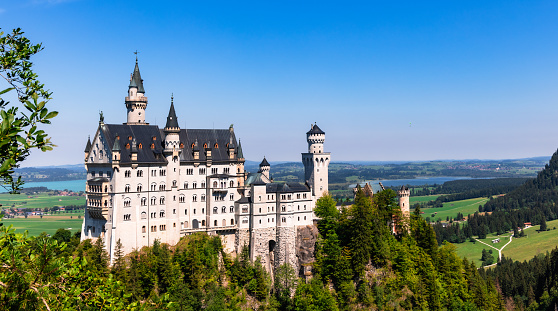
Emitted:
<point x="360" y="265"/>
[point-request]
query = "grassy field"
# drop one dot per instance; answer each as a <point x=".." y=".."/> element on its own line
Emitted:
<point x="49" y="223"/>
<point x="451" y="209"/>
<point x="533" y="243"/>
<point x="422" y="199"/>
<point x="40" y="200"/>
<point x="519" y="249"/>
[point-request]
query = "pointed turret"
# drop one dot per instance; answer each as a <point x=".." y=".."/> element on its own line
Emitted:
<point x="172" y="122"/>
<point x="172" y="130"/>
<point x="116" y="151"/>
<point x="239" y="153"/>
<point x="136" y="102"/>
<point x="264" y="169"/>
<point x="136" y="80"/>
<point x="88" y="146"/>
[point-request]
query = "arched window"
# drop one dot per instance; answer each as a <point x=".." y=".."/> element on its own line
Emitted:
<point x="215" y="223"/>
<point x="143" y="216"/>
<point x="205" y="146"/>
<point x="223" y="210"/>
<point x="231" y="209"/>
<point x="203" y="223"/>
<point x="283" y="208"/>
<point x="153" y="186"/>
<point x="143" y="201"/>
<point x="203" y="184"/>
<point x="139" y="173"/>
<point x="203" y="198"/>
<point x="143" y="229"/>
<point x="215" y="210"/>
<point x="162" y="200"/>
<point x="181" y="198"/>
<point x="216" y="145"/>
<point x="232" y="222"/>
<point x="174" y="183"/>
<point x="214" y="184"/>
<point x="186" y="185"/>
<point x="162" y="213"/>
<point x="231" y="184"/>
<point x="140" y="146"/>
<point x="127" y="202"/>
<point x="153" y="201"/>
<point x="224" y="222"/>
<point x="139" y="188"/>
<point x="127" y="188"/>
<point x="194" y="198"/>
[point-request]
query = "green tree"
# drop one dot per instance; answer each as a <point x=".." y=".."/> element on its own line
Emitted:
<point x="543" y="224"/>
<point x="328" y="213"/>
<point x="285" y="284"/>
<point x="19" y="131"/>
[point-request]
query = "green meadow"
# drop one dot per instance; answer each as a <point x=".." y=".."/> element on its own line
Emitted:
<point x="49" y="223"/>
<point x="40" y="200"/>
<point x="469" y="206"/>
<point x="520" y="249"/>
<point x="422" y="199"/>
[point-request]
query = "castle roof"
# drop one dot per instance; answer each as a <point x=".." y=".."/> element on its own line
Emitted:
<point x="239" y="153"/>
<point x="148" y="135"/>
<point x="264" y="163"/>
<point x="136" y="80"/>
<point x="88" y="146"/>
<point x="116" y="145"/>
<point x="172" y="121"/>
<point x="314" y="129"/>
<point x="286" y="187"/>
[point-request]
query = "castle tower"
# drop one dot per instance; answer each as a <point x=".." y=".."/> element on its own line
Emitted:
<point x="136" y="102"/>
<point x="264" y="169"/>
<point x="404" y="194"/>
<point x="171" y="151"/>
<point x="316" y="161"/>
<point x="172" y="139"/>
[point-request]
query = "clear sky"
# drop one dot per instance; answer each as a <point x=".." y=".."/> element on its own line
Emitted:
<point x="386" y="80"/>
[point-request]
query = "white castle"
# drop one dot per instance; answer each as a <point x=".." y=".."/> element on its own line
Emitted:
<point x="146" y="184"/>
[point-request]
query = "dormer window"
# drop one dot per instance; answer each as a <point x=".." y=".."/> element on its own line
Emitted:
<point x="127" y="146"/>
<point x="154" y="138"/>
<point x="193" y="145"/>
<point x="205" y="146"/>
<point x="140" y="145"/>
<point x="129" y="137"/>
<point x="152" y="146"/>
<point x="216" y="146"/>
<point x="181" y="146"/>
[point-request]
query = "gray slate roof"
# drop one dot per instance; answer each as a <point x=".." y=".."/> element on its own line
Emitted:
<point x="264" y="163"/>
<point x="136" y="79"/>
<point x="144" y="134"/>
<point x="172" y="121"/>
<point x="315" y="130"/>
<point x="286" y="187"/>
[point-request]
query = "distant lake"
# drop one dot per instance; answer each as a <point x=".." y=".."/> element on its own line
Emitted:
<point x="73" y="185"/>
<point x="412" y="182"/>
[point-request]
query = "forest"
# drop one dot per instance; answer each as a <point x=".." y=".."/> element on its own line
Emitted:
<point x="534" y="202"/>
<point x="359" y="265"/>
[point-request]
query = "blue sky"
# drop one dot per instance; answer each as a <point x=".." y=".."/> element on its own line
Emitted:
<point x="386" y="80"/>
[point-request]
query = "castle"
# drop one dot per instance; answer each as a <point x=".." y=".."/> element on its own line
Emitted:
<point x="145" y="184"/>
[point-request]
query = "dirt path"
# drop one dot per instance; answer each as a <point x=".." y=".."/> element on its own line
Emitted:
<point x="499" y="250"/>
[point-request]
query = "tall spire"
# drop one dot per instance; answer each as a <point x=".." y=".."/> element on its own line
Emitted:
<point x="136" y="80"/>
<point x="172" y="122"/>
<point x="239" y="153"/>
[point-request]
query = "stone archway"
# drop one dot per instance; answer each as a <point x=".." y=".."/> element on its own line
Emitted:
<point x="195" y="224"/>
<point x="271" y="254"/>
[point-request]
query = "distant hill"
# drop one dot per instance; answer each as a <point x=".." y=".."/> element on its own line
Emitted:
<point x="51" y="173"/>
<point x="540" y="193"/>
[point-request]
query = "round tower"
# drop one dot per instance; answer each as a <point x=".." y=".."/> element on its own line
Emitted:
<point x="136" y="102"/>
<point x="316" y="161"/>
<point x="404" y="194"/>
